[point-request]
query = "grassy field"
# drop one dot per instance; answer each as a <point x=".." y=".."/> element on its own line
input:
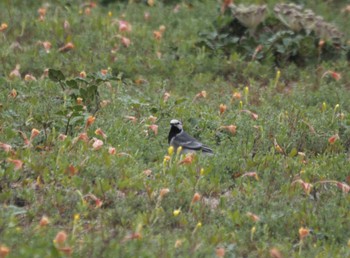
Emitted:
<point x="88" y="91"/>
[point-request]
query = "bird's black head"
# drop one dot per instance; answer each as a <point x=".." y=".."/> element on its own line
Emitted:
<point x="176" y="128"/>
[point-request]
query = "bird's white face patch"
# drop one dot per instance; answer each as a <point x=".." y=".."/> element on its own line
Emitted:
<point x="177" y="123"/>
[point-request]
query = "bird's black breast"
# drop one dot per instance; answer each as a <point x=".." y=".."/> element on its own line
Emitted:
<point x="173" y="132"/>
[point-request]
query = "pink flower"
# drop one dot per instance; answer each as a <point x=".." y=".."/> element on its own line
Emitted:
<point x="5" y="147"/>
<point x="97" y="144"/>
<point x="17" y="163"/>
<point x="112" y="150"/>
<point x="125" y="41"/>
<point x="154" y="128"/>
<point x="124" y="26"/>
<point x="100" y="132"/>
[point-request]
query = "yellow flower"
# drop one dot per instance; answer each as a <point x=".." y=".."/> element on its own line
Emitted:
<point x="110" y="14"/>
<point x="176" y="212"/>
<point x="202" y="172"/>
<point x="170" y="150"/>
<point x="76" y="217"/>
<point x="178" y="150"/>
<point x="199" y="225"/>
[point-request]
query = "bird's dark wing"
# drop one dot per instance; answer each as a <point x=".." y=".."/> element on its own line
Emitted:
<point x="187" y="141"/>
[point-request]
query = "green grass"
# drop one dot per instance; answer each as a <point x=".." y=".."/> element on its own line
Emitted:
<point x="299" y="113"/>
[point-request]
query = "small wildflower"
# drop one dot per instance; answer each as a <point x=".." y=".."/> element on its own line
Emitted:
<point x="79" y="101"/>
<point x="220" y="252"/>
<point x="303" y="232"/>
<point x="67" y="47"/>
<point x="4" y="251"/>
<point x="202" y="94"/>
<point x="176" y="212"/>
<point x="99" y="131"/>
<point x="132" y="119"/>
<point x="5" y="147"/>
<point x="333" y="139"/>
<point x="3" y="27"/>
<point x="104" y="103"/>
<point x="188" y="159"/>
<point x="82" y="74"/>
<point x="163" y="192"/>
<point x="344" y="187"/>
<point x="157" y="35"/>
<point x="178" y="150"/>
<point x="253" y="217"/>
<point x="196" y="197"/>
<point x="15" y="72"/>
<point x="199" y="225"/>
<point x="154" y="128"/>
<point x="230" y="128"/>
<point x="275" y="253"/>
<point x="222" y="108"/>
<point x="76" y="217"/>
<point x="202" y="172"/>
<point x="18" y="164"/>
<point x="62" y="137"/>
<point x="153" y="119"/>
<point x="97" y="144"/>
<point x="171" y="150"/>
<point x="98" y="203"/>
<point x="126" y="42"/>
<point x="35" y="133"/>
<point x="44" y="221"/>
<point x="178" y="243"/>
<point x="110" y="14"/>
<point x="60" y="238"/>
<point x="47" y="46"/>
<point x="166" y="96"/>
<point x="90" y="120"/>
<point x="166" y="158"/>
<point x="146" y="16"/>
<point x="112" y="150"/>
<point x="236" y="95"/>
<point x="124" y="26"/>
<point x="83" y="137"/>
<point x="13" y="93"/>
<point x="147" y="172"/>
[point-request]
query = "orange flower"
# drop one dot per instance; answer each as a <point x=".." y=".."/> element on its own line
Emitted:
<point x="166" y="96"/>
<point x="29" y="77"/>
<point x="306" y="186"/>
<point x="42" y="11"/>
<point x="252" y="115"/>
<point x="230" y="128"/>
<point x="71" y="170"/>
<point x="112" y="150"/>
<point x="335" y="76"/>
<point x="333" y="139"/>
<point x="5" y="147"/>
<point x="98" y="203"/>
<point x="303" y="232"/>
<point x="275" y="253"/>
<point x="67" y="47"/>
<point x="97" y="144"/>
<point x="188" y="159"/>
<point x="196" y="197"/>
<point x="125" y="41"/>
<point x="60" y="238"/>
<point x="222" y="108"/>
<point x="4" y="251"/>
<point x="3" y="27"/>
<point x="82" y="74"/>
<point x="100" y="132"/>
<point x="47" y="45"/>
<point x="90" y="121"/>
<point x="83" y="137"/>
<point x="253" y="217"/>
<point x="44" y="221"/>
<point x="157" y="34"/>
<point x="154" y="128"/>
<point x="35" y="133"/>
<point x="24" y="137"/>
<point x="251" y="174"/>
<point x="163" y="192"/>
<point x="220" y="252"/>
<point x="153" y="119"/>
<point x="15" y="72"/>
<point x="17" y="163"/>
<point x="202" y="94"/>
<point x="132" y="119"/>
<point x="236" y="95"/>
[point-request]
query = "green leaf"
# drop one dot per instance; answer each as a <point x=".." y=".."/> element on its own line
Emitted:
<point x="56" y="75"/>
<point x="73" y="84"/>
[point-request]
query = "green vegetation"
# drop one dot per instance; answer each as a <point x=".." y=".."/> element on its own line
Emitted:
<point x="88" y="91"/>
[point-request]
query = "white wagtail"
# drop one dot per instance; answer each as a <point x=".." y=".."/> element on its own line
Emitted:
<point x="178" y="137"/>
